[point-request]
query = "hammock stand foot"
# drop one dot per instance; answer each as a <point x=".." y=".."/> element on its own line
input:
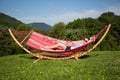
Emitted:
<point x="39" y="58"/>
<point x="76" y="57"/>
<point x="36" y="60"/>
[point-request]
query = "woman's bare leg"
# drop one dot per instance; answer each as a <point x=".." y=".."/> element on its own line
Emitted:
<point x="58" y="45"/>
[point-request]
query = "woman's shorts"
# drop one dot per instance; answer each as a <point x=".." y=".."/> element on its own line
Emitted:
<point x="68" y="48"/>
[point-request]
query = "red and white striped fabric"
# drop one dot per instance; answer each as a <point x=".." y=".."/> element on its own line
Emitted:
<point x="37" y="41"/>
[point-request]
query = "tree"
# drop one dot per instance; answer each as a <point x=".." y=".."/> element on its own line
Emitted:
<point x="9" y="21"/>
<point x="23" y="27"/>
<point x="113" y="35"/>
<point x="57" y="30"/>
<point x="79" y="23"/>
<point x="87" y="27"/>
<point x="74" y="34"/>
<point x="7" y="45"/>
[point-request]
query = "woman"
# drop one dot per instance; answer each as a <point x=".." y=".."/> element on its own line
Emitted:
<point x="68" y="47"/>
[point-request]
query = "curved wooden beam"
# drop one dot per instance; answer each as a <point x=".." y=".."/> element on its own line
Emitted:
<point x="101" y="39"/>
<point x="12" y="35"/>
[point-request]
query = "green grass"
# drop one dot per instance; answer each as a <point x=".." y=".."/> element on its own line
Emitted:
<point x="100" y="65"/>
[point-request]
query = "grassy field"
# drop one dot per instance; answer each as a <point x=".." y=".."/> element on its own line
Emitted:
<point x="100" y="65"/>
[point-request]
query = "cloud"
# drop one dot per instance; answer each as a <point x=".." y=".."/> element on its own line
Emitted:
<point x="65" y="17"/>
<point x="115" y="9"/>
<point x="70" y="15"/>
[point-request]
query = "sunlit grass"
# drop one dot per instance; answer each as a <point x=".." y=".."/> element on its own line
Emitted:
<point x="100" y="65"/>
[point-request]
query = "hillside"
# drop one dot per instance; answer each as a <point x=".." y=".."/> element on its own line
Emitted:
<point x="9" y="46"/>
<point x="9" y="21"/>
<point x="40" y="26"/>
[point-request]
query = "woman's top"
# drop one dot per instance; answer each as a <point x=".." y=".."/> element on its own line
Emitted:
<point x="77" y="45"/>
<point x="73" y="47"/>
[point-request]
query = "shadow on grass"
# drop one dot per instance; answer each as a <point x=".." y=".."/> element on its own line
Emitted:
<point x="82" y="57"/>
<point x="29" y="57"/>
<point x="88" y="56"/>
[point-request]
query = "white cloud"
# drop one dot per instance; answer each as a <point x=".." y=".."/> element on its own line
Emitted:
<point x="115" y="9"/>
<point x="70" y="16"/>
<point x="65" y="17"/>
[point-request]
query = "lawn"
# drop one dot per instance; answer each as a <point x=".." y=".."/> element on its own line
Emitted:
<point x="100" y="65"/>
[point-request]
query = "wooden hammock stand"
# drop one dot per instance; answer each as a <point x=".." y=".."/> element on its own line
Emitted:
<point x="40" y="56"/>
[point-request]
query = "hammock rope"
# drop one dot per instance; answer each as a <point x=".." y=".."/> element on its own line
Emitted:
<point x="26" y="37"/>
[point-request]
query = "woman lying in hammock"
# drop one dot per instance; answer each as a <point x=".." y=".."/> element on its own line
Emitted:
<point x="68" y="46"/>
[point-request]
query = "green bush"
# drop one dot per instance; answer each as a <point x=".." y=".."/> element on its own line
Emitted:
<point x="7" y="45"/>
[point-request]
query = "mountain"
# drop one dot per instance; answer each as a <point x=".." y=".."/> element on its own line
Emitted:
<point x="9" y="21"/>
<point x="40" y="26"/>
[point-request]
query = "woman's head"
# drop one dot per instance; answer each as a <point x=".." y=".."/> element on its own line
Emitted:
<point x="86" y="39"/>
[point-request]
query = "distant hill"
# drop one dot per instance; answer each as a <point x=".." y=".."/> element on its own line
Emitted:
<point x="9" y="21"/>
<point x="40" y="26"/>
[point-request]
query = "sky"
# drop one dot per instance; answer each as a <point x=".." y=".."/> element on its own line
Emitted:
<point x="54" y="11"/>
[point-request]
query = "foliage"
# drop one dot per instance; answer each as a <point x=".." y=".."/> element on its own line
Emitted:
<point x="57" y="30"/>
<point x="7" y="46"/>
<point x="100" y="65"/>
<point x="81" y="28"/>
<point x="74" y="34"/>
<point x="9" y="21"/>
<point x="23" y="27"/>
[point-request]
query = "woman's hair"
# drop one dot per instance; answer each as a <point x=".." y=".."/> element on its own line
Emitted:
<point x="86" y="39"/>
